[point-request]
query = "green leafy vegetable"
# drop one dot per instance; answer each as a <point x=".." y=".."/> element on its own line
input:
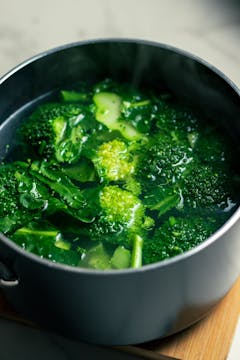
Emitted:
<point x="115" y="177"/>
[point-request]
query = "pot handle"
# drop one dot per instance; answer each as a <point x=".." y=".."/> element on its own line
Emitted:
<point x="7" y="277"/>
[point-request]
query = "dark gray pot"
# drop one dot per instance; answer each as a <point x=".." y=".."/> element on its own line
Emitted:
<point x="128" y="306"/>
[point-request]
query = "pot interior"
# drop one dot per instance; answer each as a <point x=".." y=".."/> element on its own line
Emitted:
<point x="140" y="63"/>
<point x="155" y="66"/>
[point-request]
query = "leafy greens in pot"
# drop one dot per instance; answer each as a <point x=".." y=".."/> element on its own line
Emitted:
<point x="116" y="177"/>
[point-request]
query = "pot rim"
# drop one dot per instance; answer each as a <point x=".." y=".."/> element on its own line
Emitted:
<point x="157" y="265"/>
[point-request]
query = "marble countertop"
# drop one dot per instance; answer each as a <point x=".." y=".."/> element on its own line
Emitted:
<point x="208" y="28"/>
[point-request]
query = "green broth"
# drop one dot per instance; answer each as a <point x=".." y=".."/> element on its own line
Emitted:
<point x="111" y="177"/>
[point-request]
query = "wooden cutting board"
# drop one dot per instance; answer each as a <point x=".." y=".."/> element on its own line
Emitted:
<point x="209" y="339"/>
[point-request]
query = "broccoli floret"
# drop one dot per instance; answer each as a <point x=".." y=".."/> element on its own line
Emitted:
<point x="120" y="221"/>
<point x="173" y="117"/>
<point x="120" y="206"/>
<point x="177" y="235"/>
<point x="132" y="185"/>
<point x="207" y="186"/>
<point x="8" y="189"/>
<point x="211" y="148"/>
<point x="57" y="130"/>
<point x="163" y="161"/>
<point x="160" y="168"/>
<point x="176" y="176"/>
<point x="113" y="161"/>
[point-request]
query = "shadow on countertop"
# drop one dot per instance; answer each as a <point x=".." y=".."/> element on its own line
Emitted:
<point x="229" y="8"/>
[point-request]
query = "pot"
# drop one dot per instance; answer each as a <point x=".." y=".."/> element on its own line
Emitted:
<point x="131" y="305"/>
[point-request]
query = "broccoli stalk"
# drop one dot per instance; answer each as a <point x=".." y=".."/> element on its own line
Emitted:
<point x="72" y="96"/>
<point x="108" y="112"/>
<point x="136" y="261"/>
<point x="121" y="258"/>
<point x="46" y="233"/>
<point x="121" y="221"/>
